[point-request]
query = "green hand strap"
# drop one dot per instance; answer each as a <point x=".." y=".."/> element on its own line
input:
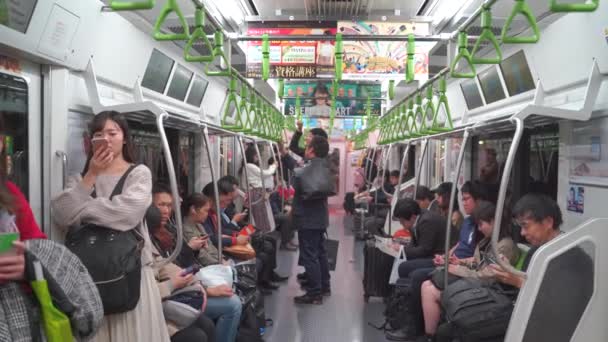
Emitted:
<point x="419" y="115"/>
<point x="218" y="51"/>
<point x="199" y="33"/>
<point x="448" y="125"/>
<point x="463" y="53"/>
<point x="582" y="7"/>
<point x="339" y="53"/>
<point x="405" y="130"/>
<point x="411" y="51"/>
<point x="429" y="112"/>
<point x="281" y="88"/>
<point x="265" y="57"/>
<point x="486" y="34"/>
<point x="521" y="7"/>
<point x="232" y="105"/>
<point x="248" y="124"/>
<point x="132" y="5"/>
<point x="391" y="89"/>
<point x="243" y="108"/>
<point x="171" y="6"/>
<point x="411" y="120"/>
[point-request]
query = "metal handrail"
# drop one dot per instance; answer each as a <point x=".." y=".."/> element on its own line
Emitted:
<point x="422" y="155"/>
<point x="174" y="192"/>
<point x="404" y="160"/>
<point x="372" y="163"/>
<point x="257" y="151"/>
<point x="386" y="158"/>
<point x="242" y="148"/>
<point x="64" y="168"/>
<point x="448" y="229"/>
<point x="215" y="190"/>
<point x="502" y="193"/>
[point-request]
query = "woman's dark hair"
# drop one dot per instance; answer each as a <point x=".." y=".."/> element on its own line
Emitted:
<point x="485" y="211"/>
<point x="97" y="125"/>
<point x="6" y="198"/>
<point x="250" y="154"/>
<point x="224" y="188"/>
<point x="321" y="89"/>
<point x="196" y="200"/>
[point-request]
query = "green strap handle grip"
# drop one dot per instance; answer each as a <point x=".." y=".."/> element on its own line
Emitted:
<point x="411" y="51"/>
<point x="132" y="5"/>
<point x="171" y="6"/>
<point x="199" y="33"/>
<point x="463" y="53"/>
<point x="411" y="119"/>
<point x="339" y="53"/>
<point x="405" y="130"/>
<point x="486" y="34"/>
<point x="228" y="109"/>
<point x="521" y="7"/>
<point x="218" y="51"/>
<point x="443" y="100"/>
<point x="265" y="57"/>
<point x="428" y="112"/>
<point x="281" y="88"/>
<point x="582" y="7"/>
<point x="391" y="89"/>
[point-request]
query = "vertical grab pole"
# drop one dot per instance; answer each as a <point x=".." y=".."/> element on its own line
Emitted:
<point x="397" y="190"/>
<point x="242" y="148"/>
<point x="372" y="163"/>
<point x="174" y="192"/>
<point x="280" y="164"/>
<point x="215" y="190"/>
<point x="502" y="193"/>
<point x="422" y="155"/>
<point x="448" y="229"/>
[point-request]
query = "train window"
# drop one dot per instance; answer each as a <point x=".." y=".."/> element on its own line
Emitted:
<point x="157" y="72"/>
<point x="516" y="74"/>
<point x="185" y="172"/>
<point x="14" y="129"/>
<point x="436" y="163"/>
<point x="179" y="83"/>
<point x="544" y="150"/>
<point x="565" y="291"/>
<point x="17" y="14"/>
<point x="490" y="85"/>
<point x="197" y="91"/>
<point x="471" y="94"/>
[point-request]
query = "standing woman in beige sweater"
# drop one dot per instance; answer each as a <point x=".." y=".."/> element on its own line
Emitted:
<point x="106" y="163"/>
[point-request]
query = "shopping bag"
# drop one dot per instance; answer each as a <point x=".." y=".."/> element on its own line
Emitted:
<point x="395" y="271"/>
<point x="216" y="275"/>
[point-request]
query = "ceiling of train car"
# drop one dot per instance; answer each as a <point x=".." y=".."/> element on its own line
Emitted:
<point x="446" y="17"/>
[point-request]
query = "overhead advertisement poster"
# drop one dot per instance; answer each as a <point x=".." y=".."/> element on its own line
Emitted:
<point x="315" y="98"/>
<point x="292" y="59"/>
<point x="370" y="59"/>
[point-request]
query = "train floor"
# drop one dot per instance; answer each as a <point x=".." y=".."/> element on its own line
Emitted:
<point x="344" y="316"/>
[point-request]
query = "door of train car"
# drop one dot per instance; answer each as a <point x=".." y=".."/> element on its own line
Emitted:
<point x="20" y="128"/>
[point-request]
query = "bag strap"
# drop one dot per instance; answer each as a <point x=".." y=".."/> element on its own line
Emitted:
<point x="121" y="183"/>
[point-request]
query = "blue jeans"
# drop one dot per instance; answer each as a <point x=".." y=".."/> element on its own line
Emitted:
<point x="314" y="258"/>
<point x="226" y="311"/>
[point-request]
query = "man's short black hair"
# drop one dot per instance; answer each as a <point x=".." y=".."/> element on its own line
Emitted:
<point x="394" y="173"/>
<point x="424" y="193"/>
<point x="319" y="145"/>
<point x="230" y="178"/>
<point x="224" y="187"/>
<point x="538" y="207"/>
<point x="478" y="191"/>
<point x="319" y="132"/>
<point x="161" y="188"/>
<point x="443" y="188"/>
<point x="405" y="208"/>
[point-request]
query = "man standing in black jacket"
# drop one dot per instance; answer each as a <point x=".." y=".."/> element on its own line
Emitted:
<point x="295" y="139"/>
<point x="311" y="216"/>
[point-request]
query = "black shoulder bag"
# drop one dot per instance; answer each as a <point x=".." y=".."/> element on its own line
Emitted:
<point x="112" y="257"/>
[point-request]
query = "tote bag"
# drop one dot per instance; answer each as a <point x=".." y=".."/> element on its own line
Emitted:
<point x="400" y="258"/>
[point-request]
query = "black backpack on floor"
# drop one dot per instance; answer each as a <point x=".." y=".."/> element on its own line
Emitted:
<point x="349" y="203"/>
<point x="476" y="311"/>
<point x="396" y="312"/>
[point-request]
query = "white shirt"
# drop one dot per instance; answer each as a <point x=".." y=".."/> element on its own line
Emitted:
<point x="255" y="174"/>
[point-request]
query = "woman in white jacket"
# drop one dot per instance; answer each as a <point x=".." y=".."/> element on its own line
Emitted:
<point x="259" y="205"/>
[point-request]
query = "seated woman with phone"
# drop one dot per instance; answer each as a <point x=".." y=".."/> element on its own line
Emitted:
<point x="218" y="303"/>
<point x="195" y="209"/>
<point x="478" y="267"/>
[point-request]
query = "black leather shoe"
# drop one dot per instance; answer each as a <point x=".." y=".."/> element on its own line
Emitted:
<point x="308" y="299"/>
<point x="326" y="292"/>
<point x="278" y="278"/>
<point x="302" y="276"/>
<point x="268" y="285"/>
<point x="399" y="335"/>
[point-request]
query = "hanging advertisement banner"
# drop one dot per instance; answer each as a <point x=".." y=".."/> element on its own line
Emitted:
<point x="315" y="98"/>
<point x="370" y="59"/>
<point x="292" y="59"/>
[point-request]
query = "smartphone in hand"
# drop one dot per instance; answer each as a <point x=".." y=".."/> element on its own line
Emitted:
<point x="190" y="270"/>
<point x="99" y="143"/>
